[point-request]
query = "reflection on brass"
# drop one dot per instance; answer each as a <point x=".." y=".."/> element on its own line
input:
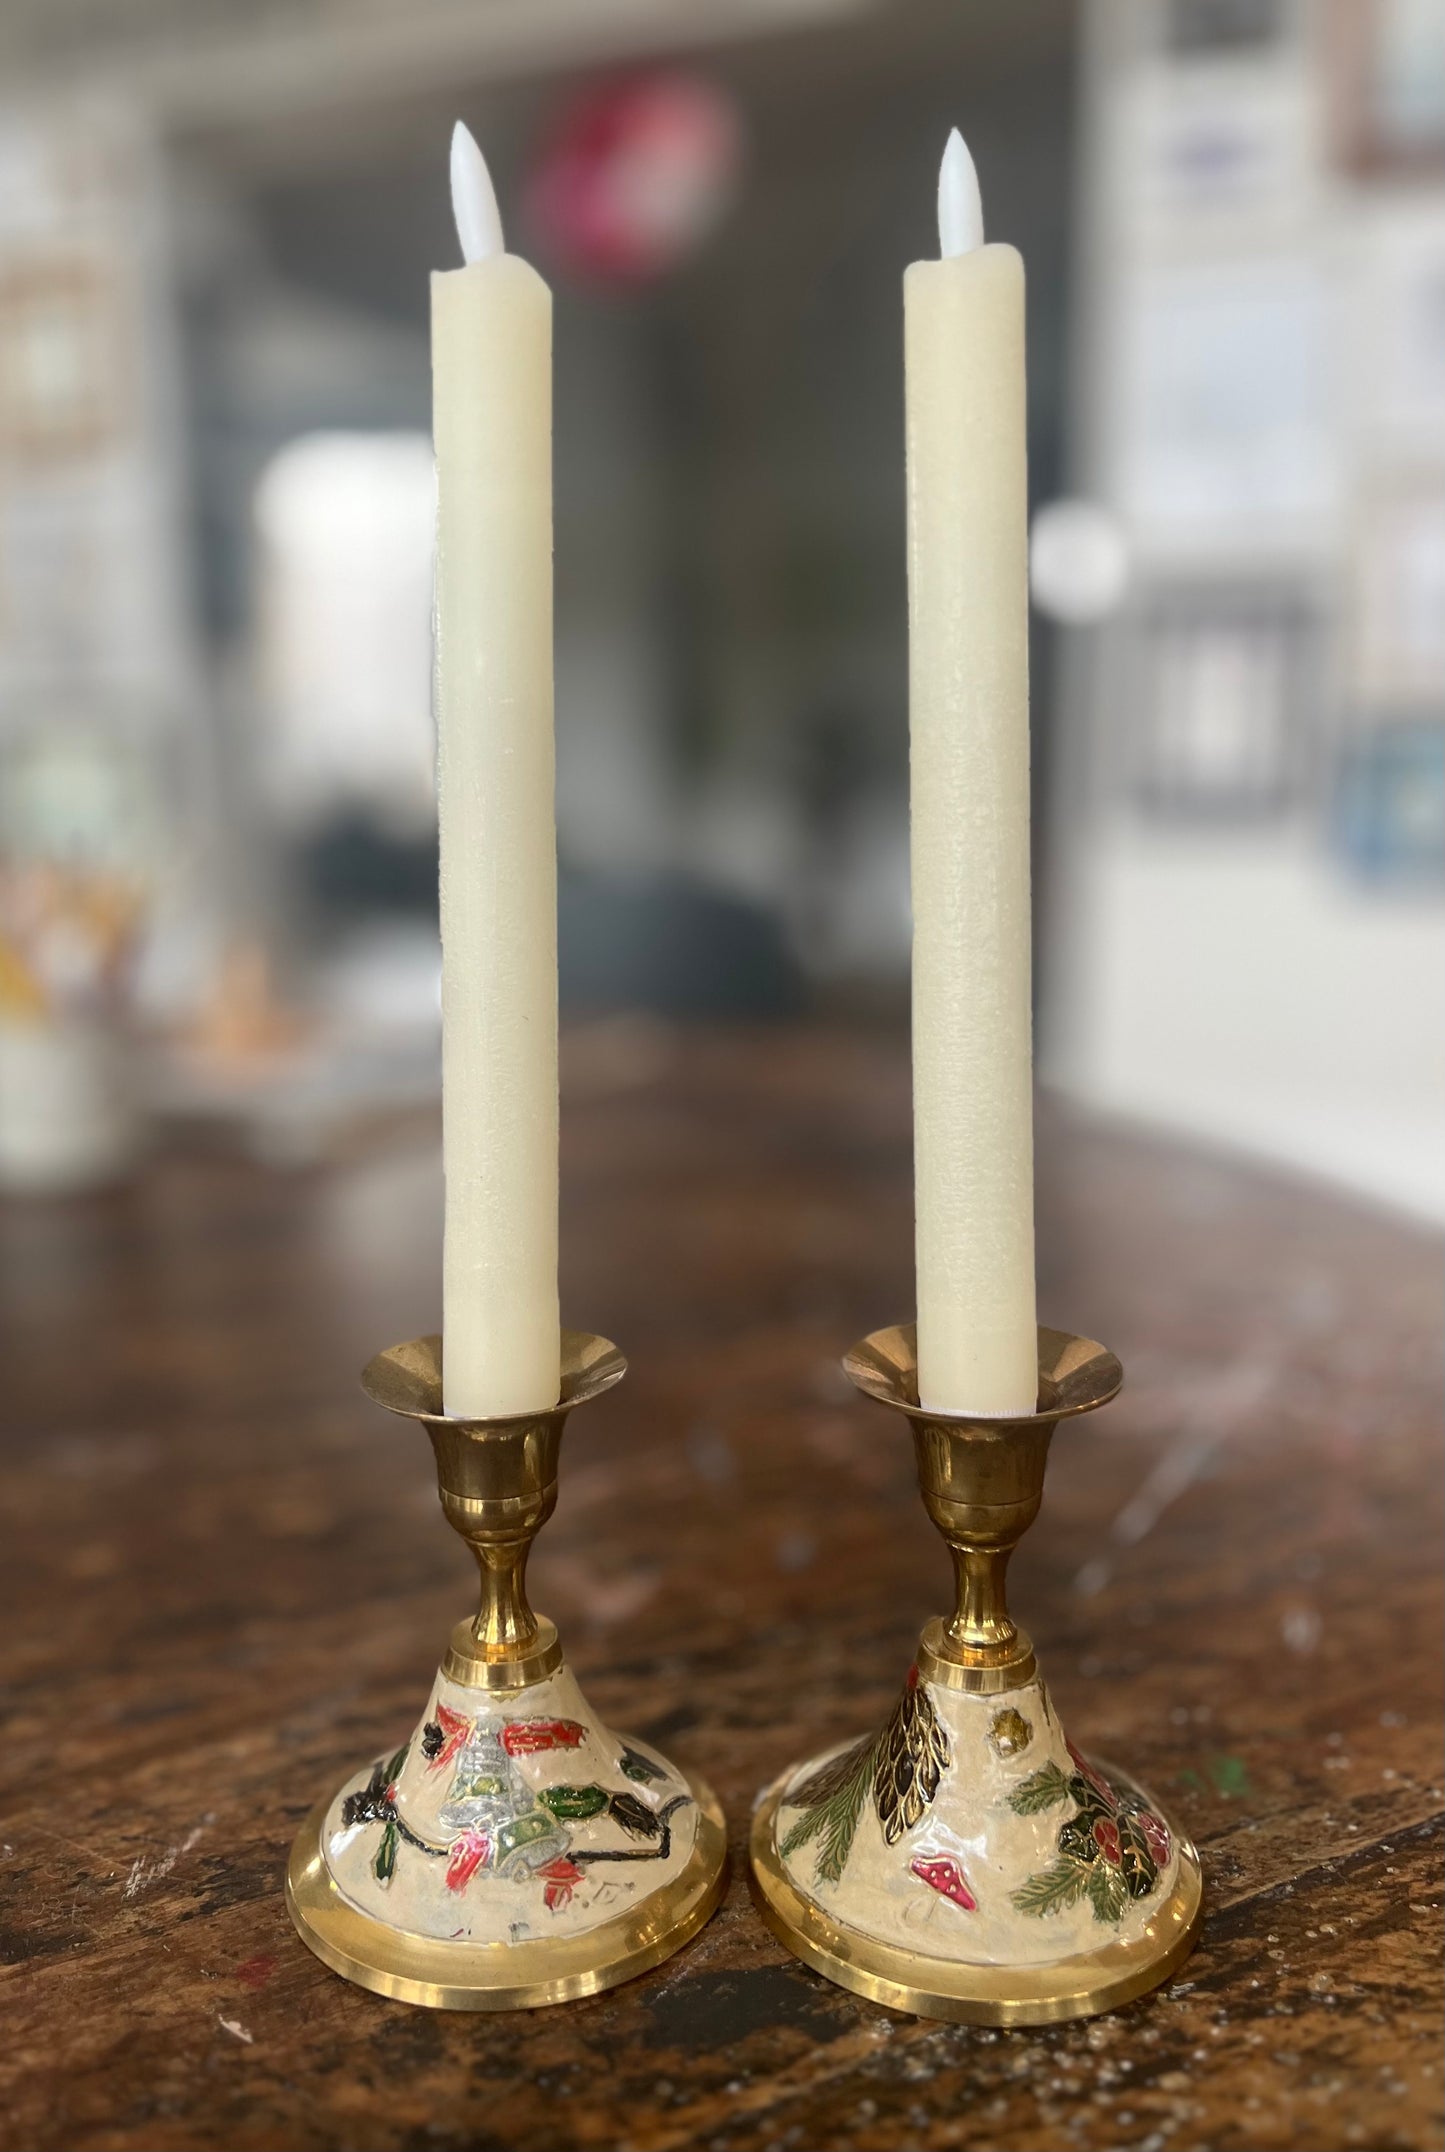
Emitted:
<point x="970" y="1993"/>
<point x="498" y="1486"/>
<point x="982" y="1481"/>
<point x="526" y="1975"/>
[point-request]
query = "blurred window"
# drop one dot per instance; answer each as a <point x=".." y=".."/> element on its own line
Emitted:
<point x="1221" y="25"/>
<point x="344" y="533"/>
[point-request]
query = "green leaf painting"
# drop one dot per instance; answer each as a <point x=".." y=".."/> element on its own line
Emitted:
<point x="1043" y="1789"/>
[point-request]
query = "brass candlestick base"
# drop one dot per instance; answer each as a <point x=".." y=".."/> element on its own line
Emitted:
<point x="967" y="1862"/>
<point x="513" y="1851"/>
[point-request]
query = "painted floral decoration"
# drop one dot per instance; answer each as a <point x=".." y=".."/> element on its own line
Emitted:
<point x="901" y="1767"/>
<point x="497" y="1823"/>
<point x="1110" y="1850"/>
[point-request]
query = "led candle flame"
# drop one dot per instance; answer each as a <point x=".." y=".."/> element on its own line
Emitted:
<point x="474" y="200"/>
<point x="960" y="205"/>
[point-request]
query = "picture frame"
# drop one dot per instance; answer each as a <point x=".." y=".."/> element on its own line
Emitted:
<point x="1224" y="678"/>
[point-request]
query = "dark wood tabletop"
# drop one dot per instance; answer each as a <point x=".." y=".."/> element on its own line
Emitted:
<point x="227" y="1581"/>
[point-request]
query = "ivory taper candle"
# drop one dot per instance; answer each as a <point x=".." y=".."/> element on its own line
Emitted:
<point x="969" y="757"/>
<point x="492" y="416"/>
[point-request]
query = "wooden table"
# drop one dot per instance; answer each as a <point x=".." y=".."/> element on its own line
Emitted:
<point x="228" y="1580"/>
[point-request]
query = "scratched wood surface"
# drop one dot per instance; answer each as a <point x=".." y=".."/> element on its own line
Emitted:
<point x="227" y="1580"/>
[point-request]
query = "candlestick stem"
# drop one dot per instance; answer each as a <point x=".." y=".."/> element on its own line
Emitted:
<point x="980" y="1626"/>
<point x="498" y="1486"/>
<point x="982" y="1481"/>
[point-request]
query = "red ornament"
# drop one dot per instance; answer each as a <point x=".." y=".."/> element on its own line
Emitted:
<point x="636" y="174"/>
<point x="455" y="1728"/>
<point x="1155" y="1833"/>
<point x="946" y="1877"/>
<point x="469" y="1853"/>
<point x="559" y="1879"/>
<point x="528" y="1737"/>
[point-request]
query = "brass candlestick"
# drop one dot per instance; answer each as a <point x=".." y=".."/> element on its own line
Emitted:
<point x="513" y="1851"/>
<point x="967" y="1862"/>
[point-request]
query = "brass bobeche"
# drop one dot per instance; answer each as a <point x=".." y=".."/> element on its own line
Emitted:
<point x="498" y="1485"/>
<point x="982" y="1482"/>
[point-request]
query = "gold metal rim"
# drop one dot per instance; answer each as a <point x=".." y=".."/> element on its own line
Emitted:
<point x="407" y="1379"/>
<point x="1075" y="1375"/>
<point x="1080" y="1986"/>
<point x="465" y="1665"/>
<point x="504" y="1976"/>
<point x="935" y="1665"/>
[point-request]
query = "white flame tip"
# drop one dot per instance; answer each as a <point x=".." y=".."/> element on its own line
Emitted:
<point x="960" y="205"/>
<point x="474" y="200"/>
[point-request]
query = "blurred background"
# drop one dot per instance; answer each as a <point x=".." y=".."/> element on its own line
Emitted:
<point x="217" y="841"/>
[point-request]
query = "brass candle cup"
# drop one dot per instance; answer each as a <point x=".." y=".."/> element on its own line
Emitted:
<point x="513" y="1851"/>
<point x="968" y="1862"/>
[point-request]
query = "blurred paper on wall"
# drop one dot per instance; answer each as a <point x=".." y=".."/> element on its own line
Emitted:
<point x="1226" y="407"/>
<point x="1399" y="613"/>
<point x="344" y="529"/>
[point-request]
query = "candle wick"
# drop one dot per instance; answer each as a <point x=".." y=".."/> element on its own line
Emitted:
<point x="960" y="205"/>
<point x="474" y="200"/>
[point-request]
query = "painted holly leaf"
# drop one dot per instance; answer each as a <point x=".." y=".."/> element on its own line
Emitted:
<point x="573" y="1804"/>
<point x="832" y="1801"/>
<point x="639" y="1768"/>
<point x="1085" y="1794"/>
<point x="1077" y="1839"/>
<point x="1042" y="1789"/>
<point x="1053" y="1889"/>
<point x="396" y="1764"/>
<point x="912" y="1756"/>
<point x="1094" y="1778"/>
<point x="1104" y="1843"/>
<point x="1137" y="1865"/>
<point x="384" y="1865"/>
<point x="635" y="1817"/>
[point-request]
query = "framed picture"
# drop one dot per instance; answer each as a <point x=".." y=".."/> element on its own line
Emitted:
<point x="59" y="393"/>
<point x="1388" y="823"/>
<point x="1399" y="600"/>
<point x="1220" y="699"/>
<point x="1388" y="69"/>
<point x="1214" y="26"/>
<point x="1223" y="412"/>
<point x="1395" y="318"/>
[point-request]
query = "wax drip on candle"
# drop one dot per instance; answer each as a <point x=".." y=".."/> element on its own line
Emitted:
<point x="960" y="205"/>
<point x="474" y="201"/>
